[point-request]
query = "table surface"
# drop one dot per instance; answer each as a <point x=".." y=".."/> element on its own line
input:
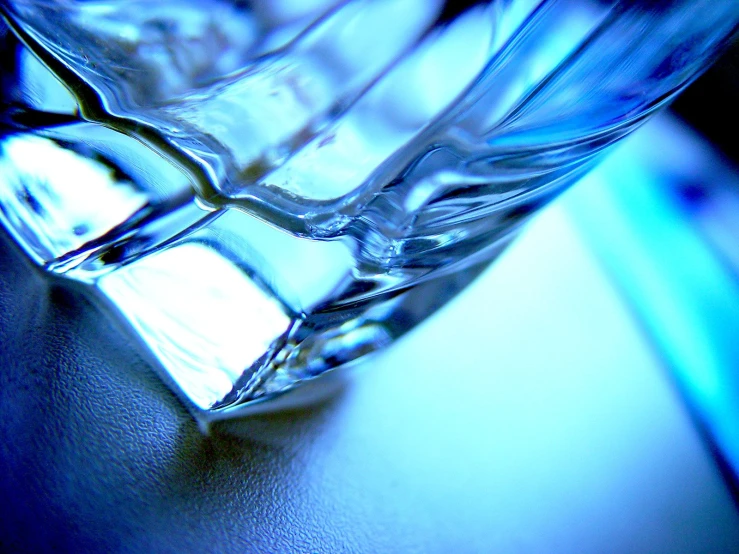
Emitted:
<point x="531" y="414"/>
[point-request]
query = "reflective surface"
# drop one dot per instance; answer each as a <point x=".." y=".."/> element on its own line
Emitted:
<point x="264" y="200"/>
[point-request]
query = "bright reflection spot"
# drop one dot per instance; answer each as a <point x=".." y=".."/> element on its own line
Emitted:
<point x="63" y="198"/>
<point x="205" y="320"/>
<point x="302" y="272"/>
<point x="441" y="69"/>
<point x="41" y="89"/>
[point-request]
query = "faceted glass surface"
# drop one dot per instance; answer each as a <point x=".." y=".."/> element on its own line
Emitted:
<point x="265" y="191"/>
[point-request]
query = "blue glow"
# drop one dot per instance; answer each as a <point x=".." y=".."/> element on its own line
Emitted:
<point x="683" y="294"/>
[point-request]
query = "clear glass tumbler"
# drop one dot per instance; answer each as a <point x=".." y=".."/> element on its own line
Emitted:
<point x="265" y="191"/>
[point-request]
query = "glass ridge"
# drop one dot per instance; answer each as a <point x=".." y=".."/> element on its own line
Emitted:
<point x="265" y="195"/>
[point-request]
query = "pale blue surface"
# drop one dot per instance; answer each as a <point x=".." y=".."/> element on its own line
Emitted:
<point x="673" y="273"/>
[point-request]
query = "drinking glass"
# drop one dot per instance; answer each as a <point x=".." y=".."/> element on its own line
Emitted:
<point x="266" y="191"/>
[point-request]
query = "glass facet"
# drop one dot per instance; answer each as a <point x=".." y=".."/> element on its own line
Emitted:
<point x="265" y="191"/>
